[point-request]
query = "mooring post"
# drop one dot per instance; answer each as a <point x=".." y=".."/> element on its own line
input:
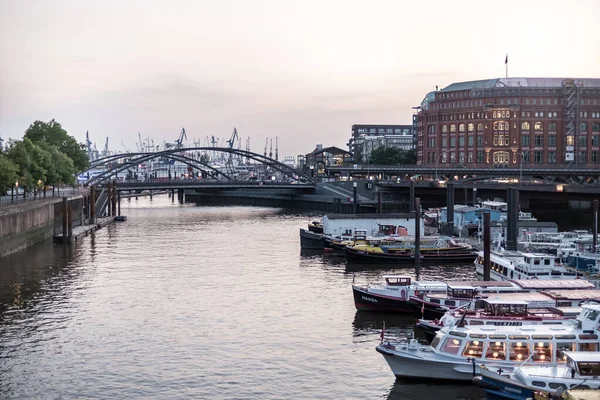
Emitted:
<point x="108" y="195"/>
<point x="512" y="200"/>
<point x="114" y="198"/>
<point x="354" y="189"/>
<point x="595" y="225"/>
<point x="150" y="194"/>
<point x="411" y="196"/>
<point x="380" y="202"/>
<point x="65" y="224"/>
<point x="92" y="204"/>
<point x="474" y="196"/>
<point x="173" y="195"/>
<point x="486" y="245"/>
<point x="70" y="224"/>
<point x="119" y="203"/>
<point x="450" y="208"/>
<point x="417" y="232"/>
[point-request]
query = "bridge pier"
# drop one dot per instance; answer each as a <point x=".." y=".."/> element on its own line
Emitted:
<point x="411" y="197"/>
<point x="92" y="204"/>
<point x="108" y="194"/>
<point x="114" y="199"/>
<point x="119" y="203"/>
<point x="449" y="209"/>
<point x="150" y="194"/>
<point x="180" y="195"/>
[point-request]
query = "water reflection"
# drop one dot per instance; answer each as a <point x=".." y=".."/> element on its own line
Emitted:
<point x="402" y="390"/>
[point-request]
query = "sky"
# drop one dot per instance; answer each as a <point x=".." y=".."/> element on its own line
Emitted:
<point x="300" y="71"/>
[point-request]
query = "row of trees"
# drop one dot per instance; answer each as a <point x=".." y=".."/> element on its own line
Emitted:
<point x="46" y="156"/>
<point x="392" y="156"/>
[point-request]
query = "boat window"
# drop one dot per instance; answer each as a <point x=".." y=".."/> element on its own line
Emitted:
<point x="588" y="336"/>
<point x="591" y="315"/>
<point x="474" y="349"/>
<point x="554" y="385"/>
<point x="496" y="351"/>
<point x="537" y="337"/>
<point x="450" y="303"/>
<point x="563" y="346"/>
<point x="588" y="346"/>
<point x="519" y="337"/>
<point x="476" y="322"/>
<point x="589" y="368"/>
<point x="455" y="333"/>
<point x="538" y="383"/>
<point x="497" y="336"/>
<point x="519" y="351"/>
<point x="565" y="337"/>
<point x="564" y="304"/>
<point x="435" y="342"/>
<point x="451" y="345"/>
<point x="542" y="351"/>
<point x="478" y="335"/>
<point x="547" y="261"/>
<point x="436" y="301"/>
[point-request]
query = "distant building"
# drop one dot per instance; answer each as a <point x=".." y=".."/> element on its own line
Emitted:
<point x="290" y="161"/>
<point x="511" y="122"/>
<point x="321" y="157"/>
<point x="366" y="138"/>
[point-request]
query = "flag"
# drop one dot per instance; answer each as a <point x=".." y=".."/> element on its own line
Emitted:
<point x="506" y="59"/>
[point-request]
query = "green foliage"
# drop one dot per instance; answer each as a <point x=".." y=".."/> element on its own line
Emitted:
<point x="53" y="134"/>
<point x="392" y="156"/>
<point x="8" y="173"/>
<point x="59" y="167"/>
<point x="31" y="160"/>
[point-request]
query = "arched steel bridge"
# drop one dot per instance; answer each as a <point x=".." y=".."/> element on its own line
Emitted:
<point x="129" y="160"/>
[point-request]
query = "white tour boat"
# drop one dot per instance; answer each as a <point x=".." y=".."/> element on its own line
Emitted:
<point x="456" y="354"/>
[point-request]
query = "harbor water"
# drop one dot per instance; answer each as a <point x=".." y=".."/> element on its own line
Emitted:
<point x="203" y="303"/>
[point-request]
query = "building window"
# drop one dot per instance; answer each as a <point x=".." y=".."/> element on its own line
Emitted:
<point x="452" y="128"/>
<point x="596" y="127"/>
<point x="470" y="157"/>
<point x="461" y="141"/>
<point x="583" y="141"/>
<point x="444" y="142"/>
<point x="501" y="157"/>
<point x="552" y="156"/>
<point x="452" y="157"/>
<point x="525" y="126"/>
<point x="444" y="128"/>
<point x="552" y="140"/>
<point x="479" y="141"/>
<point x="538" y="126"/>
<point x="471" y="127"/>
<point x="583" y="157"/>
<point x="552" y="126"/>
<point x="461" y="157"/>
<point x="461" y="128"/>
<point x="595" y="140"/>
<point x="538" y="157"/>
<point x="431" y="143"/>
<point x="480" y="127"/>
<point x="525" y="157"/>
<point x="539" y="140"/>
<point x="595" y="156"/>
<point x="431" y="129"/>
<point x="453" y="141"/>
<point x="525" y="140"/>
<point x="480" y="157"/>
<point x="470" y="141"/>
<point x="583" y="127"/>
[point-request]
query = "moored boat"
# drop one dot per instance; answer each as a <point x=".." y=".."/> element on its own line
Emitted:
<point x="315" y="226"/>
<point x="458" y="354"/>
<point x="579" y="370"/>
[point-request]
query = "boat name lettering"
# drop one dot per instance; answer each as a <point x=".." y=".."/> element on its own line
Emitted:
<point x="512" y="389"/>
<point x="372" y="300"/>
<point x="508" y="323"/>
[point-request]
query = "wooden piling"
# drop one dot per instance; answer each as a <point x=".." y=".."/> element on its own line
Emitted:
<point x="417" y="232"/>
<point x="486" y="245"/>
<point x="65" y="222"/>
<point x="92" y="204"/>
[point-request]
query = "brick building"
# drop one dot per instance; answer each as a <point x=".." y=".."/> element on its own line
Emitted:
<point x="510" y="123"/>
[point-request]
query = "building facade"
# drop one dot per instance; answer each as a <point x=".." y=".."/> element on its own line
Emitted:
<point x="511" y="123"/>
<point x="366" y="138"/>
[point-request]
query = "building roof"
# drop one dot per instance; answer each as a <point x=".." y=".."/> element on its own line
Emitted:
<point x="331" y="149"/>
<point x="519" y="82"/>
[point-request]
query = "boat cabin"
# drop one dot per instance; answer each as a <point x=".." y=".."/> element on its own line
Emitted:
<point x="397" y="280"/>
<point x="502" y="307"/>
<point x="583" y="363"/>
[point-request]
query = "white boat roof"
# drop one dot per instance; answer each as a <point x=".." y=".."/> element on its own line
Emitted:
<point x="396" y="277"/>
<point x="585" y="294"/>
<point x="583" y="356"/>
<point x="482" y="284"/>
<point x="554" y="284"/>
<point x="494" y="203"/>
<point x="505" y="301"/>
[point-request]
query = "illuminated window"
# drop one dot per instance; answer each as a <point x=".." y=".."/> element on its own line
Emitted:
<point x="479" y="127"/>
<point x="444" y="128"/>
<point x="496" y="351"/>
<point x="525" y="126"/>
<point x="471" y="127"/>
<point x="452" y="128"/>
<point x="474" y="349"/>
<point x="570" y="140"/>
<point x="563" y="346"/>
<point x="461" y="128"/>
<point x="542" y="351"/>
<point x="538" y="126"/>
<point x="519" y="351"/>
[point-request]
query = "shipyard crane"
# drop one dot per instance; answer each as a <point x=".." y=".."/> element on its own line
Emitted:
<point x="125" y="147"/>
<point x="105" y="152"/>
<point x="276" y="148"/>
<point x="234" y="137"/>
<point x="179" y="141"/>
<point x="88" y="144"/>
<point x="266" y="145"/>
<point x="271" y="149"/>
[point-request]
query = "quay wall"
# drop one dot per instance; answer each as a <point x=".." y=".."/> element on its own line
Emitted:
<point x="34" y="221"/>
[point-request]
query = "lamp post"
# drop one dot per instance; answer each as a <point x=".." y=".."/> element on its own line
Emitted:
<point x="17" y="189"/>
<point x="437" y="159"/>
<point x="523" y="152"/>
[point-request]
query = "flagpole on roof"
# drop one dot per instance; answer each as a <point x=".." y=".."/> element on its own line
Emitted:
<point x="506" y="65"/>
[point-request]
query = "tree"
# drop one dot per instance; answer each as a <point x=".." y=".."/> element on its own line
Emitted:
<point x="392" y="156"/>
<point x="30" y="159"/>
<point x="53" y="134"/>
<point x="59" y="167"/>
<point x="8" y="174"/>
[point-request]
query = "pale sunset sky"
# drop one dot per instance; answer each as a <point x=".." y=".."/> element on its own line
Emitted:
<point x="303" y="71"/>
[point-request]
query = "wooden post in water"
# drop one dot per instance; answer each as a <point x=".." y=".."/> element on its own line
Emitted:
<point x="119" y="203"/>
<point x="92" y="205"/>
<point x="114" y="199"/>
<point x="108" y="199"/>
<point x="486" y="245"/>
<point x="70" y="224"/>
<point x="354" y="189"/>
<point x="595" y="225"/>
<point x="380" y="202"/>
<point x="173" y="195"/>
<point x="65" y="222"/>
<point x="417" y="232"/>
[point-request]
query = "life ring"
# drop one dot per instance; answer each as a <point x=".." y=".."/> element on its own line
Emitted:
<point x="402" y="293"/>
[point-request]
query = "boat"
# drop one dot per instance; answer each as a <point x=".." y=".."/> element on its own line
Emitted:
<point x="433" y="249"/>
<point x="338" y="243"/>
<point x="457" y="355"/>
<point x="311" y="240"/>
<point x="315" y="226"/>
<point x="503" y="310"/>
<point x="393" y="294"/>
<point x="507" y="265"/>
<point x="586" y="256"/>
<point x="576" y="370"/>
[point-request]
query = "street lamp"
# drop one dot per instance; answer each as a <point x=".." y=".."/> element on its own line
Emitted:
<point x="436" y="164"/>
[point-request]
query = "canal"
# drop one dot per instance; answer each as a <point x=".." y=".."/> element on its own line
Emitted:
<point x="205" y="303"/>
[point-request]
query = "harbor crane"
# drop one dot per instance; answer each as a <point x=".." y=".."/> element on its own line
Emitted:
<point x="105" y="152"/>
<point x="234" y="137"/>
<point x="266" y="145"/>
<point x="179" y="141"/>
